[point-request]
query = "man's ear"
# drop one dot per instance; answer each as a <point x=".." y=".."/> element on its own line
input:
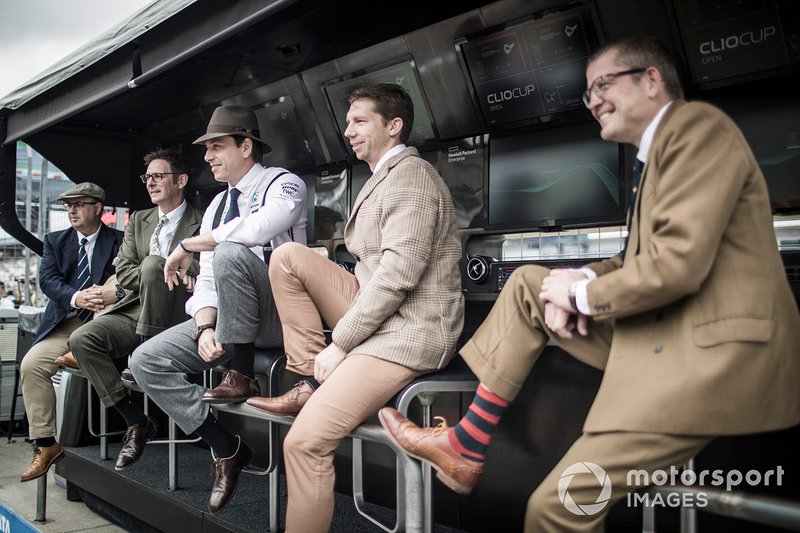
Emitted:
<point x="395" y="126"/>
<point x="183" y="180"/>
<point x="247" y="147"/>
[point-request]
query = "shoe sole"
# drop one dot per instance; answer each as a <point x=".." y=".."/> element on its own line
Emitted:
<point x="55" y="460"/>
<point x="448" y="481"/>
<point x="226" y="400"/>
<point x="150" y="436"/>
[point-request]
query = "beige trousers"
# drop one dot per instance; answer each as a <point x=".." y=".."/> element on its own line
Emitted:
<point x="502" y="354"/>
<point x="37" y="367"/>
<point x="308" y="289"/>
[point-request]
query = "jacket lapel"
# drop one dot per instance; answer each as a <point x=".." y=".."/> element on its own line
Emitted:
<point x="102" y="250"/>
<point x="186" y="227"/>
<point x="373" y="181"/>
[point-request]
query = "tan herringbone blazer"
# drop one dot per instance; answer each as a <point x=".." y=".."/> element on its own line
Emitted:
<point x="706" y="332"/>
<point x="409" y="308"/>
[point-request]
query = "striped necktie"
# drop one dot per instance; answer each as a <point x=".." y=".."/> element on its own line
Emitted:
<point x="84" y="276"/>
<point x="155" y="246"/>
<point x="233" y="206"/>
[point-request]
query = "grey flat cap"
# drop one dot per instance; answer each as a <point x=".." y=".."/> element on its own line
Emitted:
<point x="87" y="188"/>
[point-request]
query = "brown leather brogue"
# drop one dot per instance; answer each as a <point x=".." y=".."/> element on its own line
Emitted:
<point x="234" y="388"/>
<point x="226" y="472"/>
<point x="67" y="360"/>
<point x="133" y="444"/>
<point x="288" y="404"/>
<point x="432" y="445"/>
<point x="43" y="459"/>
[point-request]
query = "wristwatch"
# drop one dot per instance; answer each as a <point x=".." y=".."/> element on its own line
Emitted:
<point x="119" y="292"/>
<point x="201" y="328"/>
<point x="573" y="300"/>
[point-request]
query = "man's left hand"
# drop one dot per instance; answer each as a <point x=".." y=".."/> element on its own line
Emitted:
<point x="327" y="360"/>
<point x="176" y="268"/>
<point x="555" y="287"/>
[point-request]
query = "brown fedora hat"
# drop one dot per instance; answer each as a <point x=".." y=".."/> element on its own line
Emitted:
<point x="232" y="120"/>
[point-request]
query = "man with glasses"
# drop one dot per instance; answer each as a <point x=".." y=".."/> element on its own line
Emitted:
<point x="146" y="306"/>
<point x="232" y="307"/>
<point x="694" y="322"/>
<point x="76" y="262"/>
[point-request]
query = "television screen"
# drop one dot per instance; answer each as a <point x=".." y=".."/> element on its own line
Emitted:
<point x="330" y="202"/>
<point x="556" y="178"/>
<point x="531" y="68"/>
<point x="281" y="129"/>
<point x="772" y="128"/>
<point x="402" y="74"/>
<point x="726" y="38"/>
<point x="461" y="167"/>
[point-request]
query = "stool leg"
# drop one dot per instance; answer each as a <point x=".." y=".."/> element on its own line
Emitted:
<point x="173" y="457"/>
<point x="13" y="403"/>
<point x="41" y="498"/>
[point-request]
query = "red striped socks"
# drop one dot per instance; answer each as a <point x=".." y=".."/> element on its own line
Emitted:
<point x="472" y="435"/>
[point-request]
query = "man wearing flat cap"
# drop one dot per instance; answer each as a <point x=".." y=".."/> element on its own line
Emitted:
<point x="76" y="263"/>
<point x="232" y="307"/>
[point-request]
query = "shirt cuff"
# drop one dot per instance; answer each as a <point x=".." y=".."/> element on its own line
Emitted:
<point x="72" y="300"/>
<point x="588" y="272"/>
<point x="582" y="296"/>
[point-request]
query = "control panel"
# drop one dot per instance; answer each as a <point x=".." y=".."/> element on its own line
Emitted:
<point x="484" y="277"/>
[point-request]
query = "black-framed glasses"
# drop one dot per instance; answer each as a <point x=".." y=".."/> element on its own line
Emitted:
<point x="157" y="176"/>
<point x="602" y="83"/>
<point x="78" y="205"/>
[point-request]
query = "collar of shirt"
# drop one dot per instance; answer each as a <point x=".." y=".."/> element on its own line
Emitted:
<point x="391" y="152"/>
<point x="175" y="215"/>
<point x="90" y="239"/>
<point x="649" y="133"/>
<point x="247" y="186"/>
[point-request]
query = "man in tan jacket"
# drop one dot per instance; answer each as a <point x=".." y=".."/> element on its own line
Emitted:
<point x="398" y="317"/>
<point x="694" y="322"/>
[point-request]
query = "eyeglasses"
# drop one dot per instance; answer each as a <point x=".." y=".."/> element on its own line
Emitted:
<point x="157" y="176"/>
<point x="602" y="83"/>
<point x="78" y="205"/>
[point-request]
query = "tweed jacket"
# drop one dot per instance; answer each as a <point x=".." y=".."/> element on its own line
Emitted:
<point x="136" y="246"/>
<point x="57" y="268"/>
<point x="409" y="308"/>
<point x="706" y="331"/>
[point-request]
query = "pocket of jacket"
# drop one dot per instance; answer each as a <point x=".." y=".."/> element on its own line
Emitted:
<point x="733" y="329"/>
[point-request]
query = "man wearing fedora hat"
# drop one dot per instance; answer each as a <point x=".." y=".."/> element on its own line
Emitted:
<point x="76" y="262"/>
<point x="232" y="308"/>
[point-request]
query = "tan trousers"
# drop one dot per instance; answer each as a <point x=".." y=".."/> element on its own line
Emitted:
<point x="502" y="354"/>
<point x="356" y="389"/>
<point x="37" y="367"/>
<point x="308" y="289"/>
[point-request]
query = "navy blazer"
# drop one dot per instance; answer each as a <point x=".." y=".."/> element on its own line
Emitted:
<point x="58" y="266"/>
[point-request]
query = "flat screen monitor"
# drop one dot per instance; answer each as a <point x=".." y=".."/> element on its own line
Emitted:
<point x="281" y="129"/>
<point x="553" y="179"/>
<point x="531" y="68"/>
<point x="772" y="128"/>
<point x="726" y="39"/>
<point x="403" y="74"/>
<point x="461" y="165"/>
<point x="330" y="202"/>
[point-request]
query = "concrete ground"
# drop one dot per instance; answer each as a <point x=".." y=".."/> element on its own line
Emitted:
<point x="62" y="515"/>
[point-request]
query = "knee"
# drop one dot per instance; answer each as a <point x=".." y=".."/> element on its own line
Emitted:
<point x="151" y="270"/>
<point x="138" y="362"/>
<point x="299" y="443"/>
<point x="280" y="260"/>
<point x="530" y="276"/>
<point x="229" y="253"/>
<point x="30" y="366"/>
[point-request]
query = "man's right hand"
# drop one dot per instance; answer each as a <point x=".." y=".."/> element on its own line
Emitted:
<point x="91" y="299"/>
<point x="564" y="323"/>
<point x="207" y="346"/>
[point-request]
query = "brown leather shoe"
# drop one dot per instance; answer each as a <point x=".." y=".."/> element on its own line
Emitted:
<point x="226" y="475"/>
<point x="67" y="360"/>
<point x="127" y="375"/>
<point x="43" y="459"/>
<point x="234" y="388"/>
<point x="133" y="444"/>
<point x="288" y="404"/>
<point x="432" y="445"/>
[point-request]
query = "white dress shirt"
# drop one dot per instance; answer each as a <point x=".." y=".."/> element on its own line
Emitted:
<point x="91" y="240"/>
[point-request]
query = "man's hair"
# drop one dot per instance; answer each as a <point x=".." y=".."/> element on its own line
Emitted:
<point x="177" y="162"/>
<point x="390" y="101"/>
<point x="258" y="149"/>
<point x="644" y="52"/>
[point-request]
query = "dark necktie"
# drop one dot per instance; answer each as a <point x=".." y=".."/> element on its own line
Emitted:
<point x="637" y="177"/>
<point x="84" y="277"/>
<point x="233" y="206"/>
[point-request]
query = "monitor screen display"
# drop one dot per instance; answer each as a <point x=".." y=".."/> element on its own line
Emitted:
<point x="531" y="68"/>
<point x="772" y="128"/>
<point x="402" y="74"/>
<point x="330" y="202"/>
<point x="461" y="166"/>
<point x="556" y="178"/>
<point x="727" y="39"/>
<point x="281" y="129"/>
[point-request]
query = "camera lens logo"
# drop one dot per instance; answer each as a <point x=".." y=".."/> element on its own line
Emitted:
<point x="602" y="479"/>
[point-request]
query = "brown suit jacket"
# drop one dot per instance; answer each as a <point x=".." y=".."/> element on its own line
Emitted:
<point x="706" y="331"/>
<point x="409" y="308"/>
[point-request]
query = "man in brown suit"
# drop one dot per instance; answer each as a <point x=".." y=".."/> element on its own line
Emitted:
<point x="694" y="323"/>
<point x="399" y="316"/>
